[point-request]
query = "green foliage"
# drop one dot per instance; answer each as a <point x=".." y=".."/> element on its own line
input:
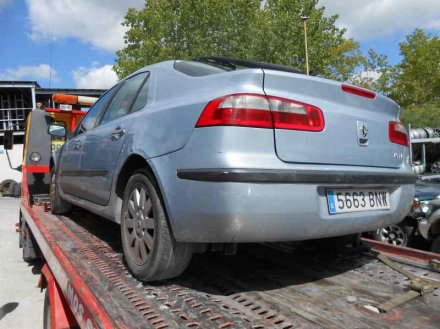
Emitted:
<point x="418" y="81"/>
<point x="183" y="29"/>
<point x="421" y="116"/>
<point x="270" y="31"/>
<point x="378" y="74"/>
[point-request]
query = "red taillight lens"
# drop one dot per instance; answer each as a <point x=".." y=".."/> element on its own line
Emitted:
<point x="398" y="133"/>
<point x="293" y="115"/>
<point x="237" y="110"/>
<point x="259" y="111"/>
<point x="358" y="91"/>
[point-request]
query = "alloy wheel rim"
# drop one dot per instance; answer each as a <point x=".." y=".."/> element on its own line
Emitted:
<point x="139" y="224"/>
<point x="393" y="235"/>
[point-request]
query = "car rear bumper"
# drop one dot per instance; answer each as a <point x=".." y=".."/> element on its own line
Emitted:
<point x="293" y="176"/>
<point x="238" y="205"/>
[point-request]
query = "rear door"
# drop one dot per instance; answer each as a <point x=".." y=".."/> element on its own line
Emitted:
<point x="356" y="127"/>
<point x="69" y="163"/>
<point x="103" y="144"/>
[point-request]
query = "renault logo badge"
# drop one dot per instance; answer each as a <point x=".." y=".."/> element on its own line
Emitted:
<point x="362" y="133"/>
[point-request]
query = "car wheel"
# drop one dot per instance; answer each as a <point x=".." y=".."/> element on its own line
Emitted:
<point x="396" y="234"/>
<point x="150" y="250"/>
<point x="435" y="246"/>
<point x="58" y="206"/>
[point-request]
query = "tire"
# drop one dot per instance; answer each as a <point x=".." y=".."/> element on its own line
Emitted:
<point x="150" y="250"/>
<point x="58" y="206"/>
<point x="46" y="311"/>
<point x="20" y="234"/>
<point x="396" y="234"/>
<point x="31" y="251"/>
<point x="435" y="246"/>
<point x="6" y="185"/>
<point x="17" y="191"/>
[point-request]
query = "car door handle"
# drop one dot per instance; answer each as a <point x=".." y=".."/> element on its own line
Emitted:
<point x="78" y="145"/>
<point x="116" y="134"/>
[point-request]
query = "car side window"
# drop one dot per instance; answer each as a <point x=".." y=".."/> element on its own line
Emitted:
<point x="142" y="98"/>
<point x="121" y="104"/>
<point x="90" y="119"/>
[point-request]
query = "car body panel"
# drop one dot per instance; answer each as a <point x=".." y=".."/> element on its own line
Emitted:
<point x="250" y="212"/>
<point x="70" y="164"/>
<point x="99" y="152"/>
<point x="426" y="191"/>
<point x="342" y="113"/>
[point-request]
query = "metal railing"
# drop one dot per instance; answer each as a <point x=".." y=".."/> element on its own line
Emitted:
<point x="14" y="118"/>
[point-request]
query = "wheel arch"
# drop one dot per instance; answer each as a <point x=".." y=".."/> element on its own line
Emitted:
<point x="132" y="163"/>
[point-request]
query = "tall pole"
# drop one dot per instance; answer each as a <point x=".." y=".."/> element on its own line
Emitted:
<point x="304" y="19"/>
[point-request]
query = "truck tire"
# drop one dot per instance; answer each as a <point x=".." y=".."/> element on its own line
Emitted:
<point x="58" y="206"/>
<point x="20" y="234"/>
<point x="150" y="250"/>
<point x="46" y="311"/>
<point x="435" y="246"/>
<point x="31" y="251"/>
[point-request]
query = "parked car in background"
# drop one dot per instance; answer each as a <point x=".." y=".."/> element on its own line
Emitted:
<point x="220" y="150"/>
<point x="429" y="227"/>
<point x="406" y="233"/>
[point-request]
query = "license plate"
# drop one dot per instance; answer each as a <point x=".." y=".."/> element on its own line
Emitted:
<point x="341" y="201"/>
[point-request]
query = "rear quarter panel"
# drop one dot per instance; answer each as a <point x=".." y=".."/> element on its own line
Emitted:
<point x="166" y="124"/>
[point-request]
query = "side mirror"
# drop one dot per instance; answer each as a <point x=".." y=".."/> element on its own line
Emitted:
<point x="8" y="140"/>
<point x="57" y="130"/>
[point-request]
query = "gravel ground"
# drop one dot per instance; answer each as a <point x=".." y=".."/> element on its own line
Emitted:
<point x="21" y="303"/>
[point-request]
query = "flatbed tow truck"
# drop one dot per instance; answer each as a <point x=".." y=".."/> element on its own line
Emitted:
<point x="286" y="285"/>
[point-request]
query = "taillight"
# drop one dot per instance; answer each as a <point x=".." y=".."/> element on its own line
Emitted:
<point x="398" y="133"/>
<point x="259" y="111"/>
<point x="358" y="91"/>
<point x="237" y="110"/>
<point x="293" y="115"/>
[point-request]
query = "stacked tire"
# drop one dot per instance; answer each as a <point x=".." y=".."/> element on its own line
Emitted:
<point x="11" y="188"/>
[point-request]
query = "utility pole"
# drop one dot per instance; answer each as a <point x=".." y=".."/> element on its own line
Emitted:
<point x="304" y="19"/>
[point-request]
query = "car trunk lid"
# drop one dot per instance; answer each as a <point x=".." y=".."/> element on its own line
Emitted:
<point x="356" y="130"/>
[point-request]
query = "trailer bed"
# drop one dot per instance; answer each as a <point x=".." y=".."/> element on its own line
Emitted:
<point x="287" y="285"/>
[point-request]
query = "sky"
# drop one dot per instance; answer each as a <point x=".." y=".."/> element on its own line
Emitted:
<point x="72" y="43"/>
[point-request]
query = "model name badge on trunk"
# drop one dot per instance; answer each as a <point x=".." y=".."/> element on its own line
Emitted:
<point x="340" y="201"/>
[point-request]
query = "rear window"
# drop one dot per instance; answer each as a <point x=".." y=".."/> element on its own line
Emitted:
<point x="197" y="69"/>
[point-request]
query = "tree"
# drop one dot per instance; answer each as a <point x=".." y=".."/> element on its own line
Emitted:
<point x="377" y="74"/>
<point x="282" y="39"/>
<point x="183" y="29"/>
<point x="418" y="82"/>
<point x="269" y="31"/>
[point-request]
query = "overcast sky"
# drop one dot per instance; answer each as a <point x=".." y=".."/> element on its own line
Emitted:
<point x="87" y="33"/>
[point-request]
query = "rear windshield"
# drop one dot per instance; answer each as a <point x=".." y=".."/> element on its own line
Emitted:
<point x="201" y="66"/>
<point x="197" y="69"/>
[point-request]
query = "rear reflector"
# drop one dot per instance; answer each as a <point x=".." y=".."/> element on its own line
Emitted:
<point x="398" y="133"/>
<point x="260" y="111"/>
<point x="358" y="91"/>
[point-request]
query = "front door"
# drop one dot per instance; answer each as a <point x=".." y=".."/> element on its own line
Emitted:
<point x="70" y="159"/>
